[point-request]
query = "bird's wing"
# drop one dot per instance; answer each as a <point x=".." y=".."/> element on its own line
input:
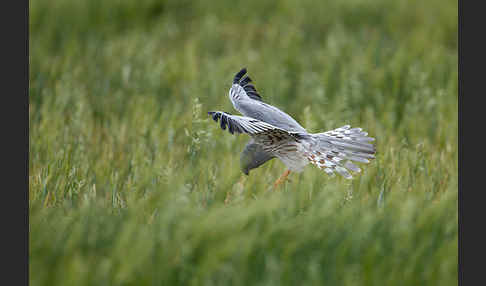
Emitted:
<point x="251" y="126"/>
<point x="243" y="80"/>
<point x="246" y="100"/>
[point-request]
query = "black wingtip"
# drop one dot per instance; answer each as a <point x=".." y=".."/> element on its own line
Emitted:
<point x="245" y="80"/>
<point x="239" y="75"/>
<point x="214" y="115"/>
<point x="245" y="83"/>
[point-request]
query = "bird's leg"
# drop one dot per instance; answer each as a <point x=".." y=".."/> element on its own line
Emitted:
<point x="281" y="179"/>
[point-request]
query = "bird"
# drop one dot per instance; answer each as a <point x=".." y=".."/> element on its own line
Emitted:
<point x="275" y="134"/>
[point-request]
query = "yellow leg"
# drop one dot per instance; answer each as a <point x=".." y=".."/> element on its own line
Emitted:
<point x="281" y="179"/>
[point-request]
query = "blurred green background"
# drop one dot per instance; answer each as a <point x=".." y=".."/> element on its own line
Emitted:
<point x="131" y="183"/>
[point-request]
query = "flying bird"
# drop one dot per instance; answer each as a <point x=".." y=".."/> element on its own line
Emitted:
<point x="275" y="134"/>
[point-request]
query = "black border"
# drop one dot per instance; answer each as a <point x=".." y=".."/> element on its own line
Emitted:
<point x="470" y="116"/>
<point x="15" y="142"/>
<point x="17" y="71"/>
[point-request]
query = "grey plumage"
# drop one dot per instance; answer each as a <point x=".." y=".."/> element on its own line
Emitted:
<point x="253" y="156"/>
<point x="276" y="134"/>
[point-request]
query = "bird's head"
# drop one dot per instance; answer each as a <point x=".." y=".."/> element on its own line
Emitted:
<point x="253" y="156"/>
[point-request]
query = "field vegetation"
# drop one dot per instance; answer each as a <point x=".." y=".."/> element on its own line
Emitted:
<point x="131" y="183"/>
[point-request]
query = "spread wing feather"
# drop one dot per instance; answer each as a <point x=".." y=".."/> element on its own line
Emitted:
<point x="245" y="83"/>
<point x="251" y="126"/>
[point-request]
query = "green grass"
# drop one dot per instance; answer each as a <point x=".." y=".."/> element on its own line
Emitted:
<point x="131" y="183"/>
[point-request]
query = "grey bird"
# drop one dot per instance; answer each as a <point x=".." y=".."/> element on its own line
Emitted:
<point x="275" y="134"/>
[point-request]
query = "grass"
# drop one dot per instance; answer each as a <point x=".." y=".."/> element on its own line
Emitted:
<point x="131" y="183"/>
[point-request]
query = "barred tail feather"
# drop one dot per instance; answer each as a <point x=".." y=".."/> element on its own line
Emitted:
<point x="334" y="151"/>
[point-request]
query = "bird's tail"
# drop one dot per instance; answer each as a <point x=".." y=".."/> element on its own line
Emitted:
<point x="335" y="151"/>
